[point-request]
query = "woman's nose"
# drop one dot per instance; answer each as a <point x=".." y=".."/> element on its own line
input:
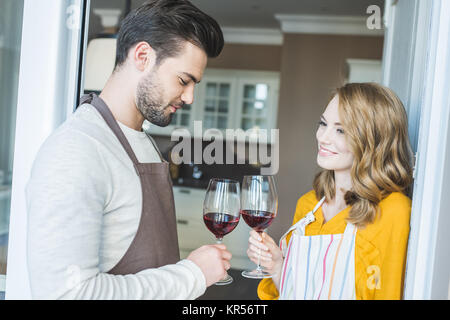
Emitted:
<point x="324" y="136"/>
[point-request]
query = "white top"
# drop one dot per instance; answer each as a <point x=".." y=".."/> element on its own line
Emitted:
<point x="84" y="203"/>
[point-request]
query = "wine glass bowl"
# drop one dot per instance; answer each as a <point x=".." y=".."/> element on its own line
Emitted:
<point x="259" y="206"/>
<point x="221" y="211"/>
<point x="220" y="224"/>
<point x="257" y="220"/>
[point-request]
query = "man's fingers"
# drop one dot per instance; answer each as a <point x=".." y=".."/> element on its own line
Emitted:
<point x="226" y="255"/>
<point x="220" y="246"/>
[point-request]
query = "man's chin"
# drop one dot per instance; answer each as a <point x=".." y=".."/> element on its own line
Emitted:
<point x="161" y="122"/>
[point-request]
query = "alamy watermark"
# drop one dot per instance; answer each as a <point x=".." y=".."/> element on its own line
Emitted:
<point x="374" y="20"/>
<point x="253" y="146"/>
<point x="73" y="17"/>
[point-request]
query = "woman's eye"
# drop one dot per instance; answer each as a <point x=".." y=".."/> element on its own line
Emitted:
<point x="321" y="123"/>
<point x="341" y="131"/>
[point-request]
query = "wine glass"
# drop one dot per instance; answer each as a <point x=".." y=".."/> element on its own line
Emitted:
<point x="221" y="211"/>
<point x="259" y="206"/>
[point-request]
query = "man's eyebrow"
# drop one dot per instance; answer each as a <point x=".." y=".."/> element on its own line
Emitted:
<point x="191" y="76"/>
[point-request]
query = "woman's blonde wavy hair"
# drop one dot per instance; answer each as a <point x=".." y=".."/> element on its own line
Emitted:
<point x="376" y="128"/>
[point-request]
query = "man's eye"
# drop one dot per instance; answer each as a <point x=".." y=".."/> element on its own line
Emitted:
<point x="184" y="83"/>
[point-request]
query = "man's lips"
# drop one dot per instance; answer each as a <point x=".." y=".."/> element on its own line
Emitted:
<point x="325" y="152"/>
<point x="175" y="107"/>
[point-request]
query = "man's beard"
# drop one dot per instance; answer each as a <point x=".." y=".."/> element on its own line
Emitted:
<point x="149" y="101"/>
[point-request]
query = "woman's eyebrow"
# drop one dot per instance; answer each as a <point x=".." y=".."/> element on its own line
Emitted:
<point x="336" y="123"/>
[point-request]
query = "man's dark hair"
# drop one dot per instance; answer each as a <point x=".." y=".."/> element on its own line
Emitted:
<point x="164" y="25"/>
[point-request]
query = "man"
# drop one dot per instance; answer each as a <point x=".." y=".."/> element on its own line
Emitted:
<point x="101" y="220"/>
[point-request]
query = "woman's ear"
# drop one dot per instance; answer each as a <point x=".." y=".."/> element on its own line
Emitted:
<point x="143" y="56"/>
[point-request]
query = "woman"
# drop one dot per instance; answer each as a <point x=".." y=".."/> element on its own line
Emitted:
<point x="349" y="235"/>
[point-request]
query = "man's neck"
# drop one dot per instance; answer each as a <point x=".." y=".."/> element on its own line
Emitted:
<point x="118" y="94"/>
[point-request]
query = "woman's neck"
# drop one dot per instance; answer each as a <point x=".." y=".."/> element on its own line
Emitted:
<point x="332" y="207"/>
<point x="343" y="183"/>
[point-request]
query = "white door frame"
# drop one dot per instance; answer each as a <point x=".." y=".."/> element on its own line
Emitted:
<point x="424" y="87"/>
<point x="53" y="36"/>
<point x="428" y="270"/>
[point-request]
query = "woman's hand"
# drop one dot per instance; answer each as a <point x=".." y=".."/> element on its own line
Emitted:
<point x="261" y="246"/>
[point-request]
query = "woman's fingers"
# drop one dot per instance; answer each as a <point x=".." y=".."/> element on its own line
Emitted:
<point x="257" y="251"/>
<point x="258" y="244"/>
<point x="254" y="257"/>
<point x="268" y="240"/>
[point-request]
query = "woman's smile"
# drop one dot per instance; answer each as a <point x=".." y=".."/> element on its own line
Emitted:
<point x="324" y="152"/>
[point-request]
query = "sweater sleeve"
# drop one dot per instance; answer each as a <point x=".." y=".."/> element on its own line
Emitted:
<point x="66" y="196"/>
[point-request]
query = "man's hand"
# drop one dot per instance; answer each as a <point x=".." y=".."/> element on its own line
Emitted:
<point x="213" y="260"/>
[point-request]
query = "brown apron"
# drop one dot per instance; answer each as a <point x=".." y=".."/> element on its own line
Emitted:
<point x="156" y="242"/>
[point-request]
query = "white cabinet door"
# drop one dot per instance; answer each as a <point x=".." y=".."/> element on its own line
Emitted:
<point x="257" y="102"/>
<point x="216" y="105"/>
<point x="363" y="70"/>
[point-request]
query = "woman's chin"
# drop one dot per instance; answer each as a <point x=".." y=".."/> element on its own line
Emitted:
<point x="324" y="164"/>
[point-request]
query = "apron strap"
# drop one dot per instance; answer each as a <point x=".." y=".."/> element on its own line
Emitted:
<point x="302" y="223"/>
<point x="350" y="229"/>
<point x="156" y="147"/>
<point x="104" y="111"/>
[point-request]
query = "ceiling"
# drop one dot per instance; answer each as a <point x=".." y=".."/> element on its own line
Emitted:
<point x="260" y="13"/>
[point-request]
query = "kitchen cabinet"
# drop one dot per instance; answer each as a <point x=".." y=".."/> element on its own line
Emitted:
<point x="364" y="70"/>
<point x="192" y="232"/>
<point x="228" y="99"/>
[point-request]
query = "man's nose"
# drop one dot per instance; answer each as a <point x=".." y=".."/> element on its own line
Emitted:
<point x="188" y="95"/>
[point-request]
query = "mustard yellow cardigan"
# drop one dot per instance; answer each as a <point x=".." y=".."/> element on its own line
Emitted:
<point x="380" y="252"/>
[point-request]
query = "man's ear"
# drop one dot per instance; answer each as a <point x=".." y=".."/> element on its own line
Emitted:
<point x="143" y="56"/>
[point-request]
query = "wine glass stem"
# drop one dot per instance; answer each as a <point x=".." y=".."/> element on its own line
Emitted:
<point x="258" y="268"/>
<point x="219" y="240"/>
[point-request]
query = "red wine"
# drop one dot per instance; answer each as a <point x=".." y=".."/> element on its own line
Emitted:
<point x="220" y="223"/>
<point x="258" y="220"/>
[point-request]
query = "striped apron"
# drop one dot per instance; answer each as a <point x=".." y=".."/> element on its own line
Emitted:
<point x="320" y="267"/>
